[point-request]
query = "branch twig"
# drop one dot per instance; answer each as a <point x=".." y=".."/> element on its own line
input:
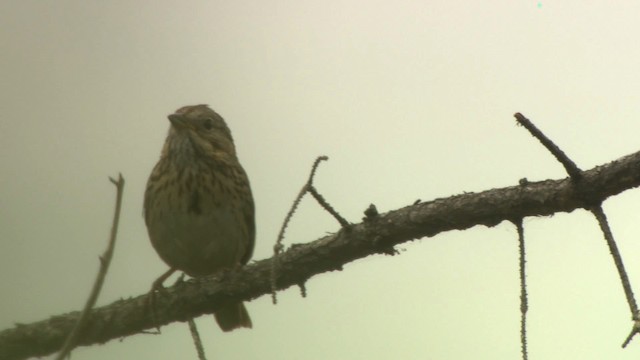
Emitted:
<point x="325" y="205"/>
<point x="524" y="303"/>
<point x="105" y="260"/>
<point x="278" y="247"/>
<point x="571" y="168"/>
<point x="197" y="342"/>
<point x="634" y="330"/>
<point x="617" y="258"/>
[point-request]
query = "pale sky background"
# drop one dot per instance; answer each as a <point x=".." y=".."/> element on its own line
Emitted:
<point x="409" y="99"/>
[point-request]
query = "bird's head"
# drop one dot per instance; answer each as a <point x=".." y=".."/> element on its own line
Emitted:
<point x="197" y="130"/>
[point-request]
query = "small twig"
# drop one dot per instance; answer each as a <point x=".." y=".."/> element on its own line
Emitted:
<point x="624" y="278"/>
<point x="524" y="303"/>
<point x="278" y="247"/>
<point x="634" y="330"/>
<point x="325" y="205"/>
<point x="617" y="259"/>
<point x="571" y="168"/>
<point x="196" y="339"/>
<point x="195" y="335"/>
<point x="105" y="260"/>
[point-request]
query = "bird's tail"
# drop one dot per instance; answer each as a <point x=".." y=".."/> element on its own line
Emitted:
<point x="232" y="316"/>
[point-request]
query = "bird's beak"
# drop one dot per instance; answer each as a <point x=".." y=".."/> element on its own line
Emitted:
<point x="177" y="121"/>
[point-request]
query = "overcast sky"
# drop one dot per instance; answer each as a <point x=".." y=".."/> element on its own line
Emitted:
<point x="409" y="99"/>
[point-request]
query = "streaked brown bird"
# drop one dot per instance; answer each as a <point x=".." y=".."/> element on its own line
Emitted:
<point x="198" y="205"/>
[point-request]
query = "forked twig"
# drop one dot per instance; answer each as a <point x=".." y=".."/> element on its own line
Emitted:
<point x="105" y="260"/>
<point x="307" y="188"/>
<point x="278" y="247"/>
<point x="634" y="330"/>
<point x="320" y="199"/>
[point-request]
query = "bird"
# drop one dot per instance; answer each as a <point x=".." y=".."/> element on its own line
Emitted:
<point x="198" y="206"/>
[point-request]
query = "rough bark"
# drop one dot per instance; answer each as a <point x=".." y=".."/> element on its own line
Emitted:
<point x="375" y="234"/>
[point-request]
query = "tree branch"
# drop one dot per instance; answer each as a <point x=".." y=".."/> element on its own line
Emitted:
<point x="376" y="235"/>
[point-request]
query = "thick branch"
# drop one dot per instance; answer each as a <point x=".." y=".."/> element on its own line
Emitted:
<point x="376" y="235"/>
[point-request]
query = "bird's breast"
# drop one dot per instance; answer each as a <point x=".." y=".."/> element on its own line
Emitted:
<point x="195" y="222"/>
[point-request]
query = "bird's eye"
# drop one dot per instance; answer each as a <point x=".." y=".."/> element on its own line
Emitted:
<point x="208" y="123"/>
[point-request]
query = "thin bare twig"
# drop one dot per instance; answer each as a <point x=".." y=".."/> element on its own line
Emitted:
<point x="634" y="330"/>
<point x="193" y="328"/>
<point x="278" y="247"/>
<point x="105" y="260"/>
<point x="325" y="205"/>
<point x="624" y="278"/>
<point x="196" y="339"/>
<point x="524" y="303"/>
<point x="617" y="258"/>
<point x="571" y="168"/>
